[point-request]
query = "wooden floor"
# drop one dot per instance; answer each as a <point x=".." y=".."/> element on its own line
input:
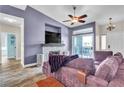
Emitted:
<point x="12" y="74"/>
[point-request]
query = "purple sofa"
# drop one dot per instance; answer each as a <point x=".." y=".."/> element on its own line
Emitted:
<point x="109" y="73"/>
<point x="99" y="56"/>
<point x="72" y="74"/>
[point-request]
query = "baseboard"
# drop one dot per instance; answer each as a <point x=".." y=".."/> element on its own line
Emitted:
<point x="29" y="65"/>
<point x="11" y="57"/>
<point x="18" y="58"/>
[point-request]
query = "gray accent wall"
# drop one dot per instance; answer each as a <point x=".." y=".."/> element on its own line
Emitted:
<point x="52" y="29"/>
<point x="11" y="11"/>
<point x="35" y="33"/>
<point x="34" y="30"/>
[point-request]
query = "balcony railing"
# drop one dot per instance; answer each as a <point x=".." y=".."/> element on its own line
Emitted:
<point x="84" y="52"/>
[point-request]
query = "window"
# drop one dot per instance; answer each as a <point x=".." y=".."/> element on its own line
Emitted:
<point x="83" y="31"/>
<point x="103" y="42"/>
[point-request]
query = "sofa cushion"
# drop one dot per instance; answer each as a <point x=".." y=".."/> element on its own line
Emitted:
<point x="102" y="71"/>
<point x="116" y="83"/>
<point x="93" y="81"/>
<point x="102" y="55"/>
<point x="120" y="74"/>
<point x="83" y="65"/>
<point x="121" y="67"/>
<point x="119" y="57"/>
<point x="107" y="69"/>
<point x="71" y="77"/>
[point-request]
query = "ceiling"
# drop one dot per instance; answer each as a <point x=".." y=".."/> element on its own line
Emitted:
<point x="97" y="13"/>
<point x="10" y="20"/>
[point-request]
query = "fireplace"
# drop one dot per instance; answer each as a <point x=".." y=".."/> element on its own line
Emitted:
<point x="50" y="49"/>
<point x="54" y="52"/>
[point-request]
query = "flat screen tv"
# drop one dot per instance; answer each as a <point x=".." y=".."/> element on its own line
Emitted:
<point x="52" y="37"/>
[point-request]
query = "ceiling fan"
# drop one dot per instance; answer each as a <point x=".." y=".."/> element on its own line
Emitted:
<point x="75" y="19"/>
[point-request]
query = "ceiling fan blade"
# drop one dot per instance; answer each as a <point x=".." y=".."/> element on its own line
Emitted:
<point x="72" y="23"/>
<point x="81" y="21"/>
<point x="82" y="16"/>
<point x="66" y="21"/>
<point x="70" y="16"/>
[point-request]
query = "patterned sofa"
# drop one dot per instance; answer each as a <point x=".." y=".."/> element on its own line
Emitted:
<point x="109" y="73"/>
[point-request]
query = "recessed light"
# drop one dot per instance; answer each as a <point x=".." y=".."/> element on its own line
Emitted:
<point x="9" y="19"/>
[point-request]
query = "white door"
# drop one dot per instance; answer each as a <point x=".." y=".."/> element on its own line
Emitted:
<point x="11" y="45"/>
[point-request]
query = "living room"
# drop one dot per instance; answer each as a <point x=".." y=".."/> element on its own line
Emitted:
<point x="82" y="35"/>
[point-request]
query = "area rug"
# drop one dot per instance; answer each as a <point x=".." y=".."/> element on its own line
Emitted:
<point x="49" y="82"/>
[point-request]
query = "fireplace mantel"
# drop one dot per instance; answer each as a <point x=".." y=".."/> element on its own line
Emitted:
<point x="47" y="48"/>
<point x="53" y="45"/>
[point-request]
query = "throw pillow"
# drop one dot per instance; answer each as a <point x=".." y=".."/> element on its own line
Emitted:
<point x="119" y="57"/>
<point x="107" y="69"/>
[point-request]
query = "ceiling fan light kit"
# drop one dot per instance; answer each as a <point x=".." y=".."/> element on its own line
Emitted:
<point x="76" y="19"/>
<point x="110" y="26"/>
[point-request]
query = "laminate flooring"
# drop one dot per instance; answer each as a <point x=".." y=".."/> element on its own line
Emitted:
<point x="12" y="74"/>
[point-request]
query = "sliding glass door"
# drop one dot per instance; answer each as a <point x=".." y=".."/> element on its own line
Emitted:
<point x="77" y="45"/>
<point x="83" y="45"/>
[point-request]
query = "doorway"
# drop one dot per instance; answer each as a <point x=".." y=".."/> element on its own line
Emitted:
<point x="11" y="45"/>
<point x="11" y="38"/>
<point x="8" y="46"/>
<point x="83" y="44"/>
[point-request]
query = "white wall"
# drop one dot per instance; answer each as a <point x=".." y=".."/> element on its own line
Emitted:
<point x="22" y="43"/>
<point x="0" y="47"/>
<point x="4" y="43"/>
<point x="97" y="37"/>
<point x="17" y="31"/>
<point x="115" y="38"/>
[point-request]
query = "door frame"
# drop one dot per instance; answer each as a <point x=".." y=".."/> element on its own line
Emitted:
<point x="22" y="37"/>
<point x="83" y="34"/>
